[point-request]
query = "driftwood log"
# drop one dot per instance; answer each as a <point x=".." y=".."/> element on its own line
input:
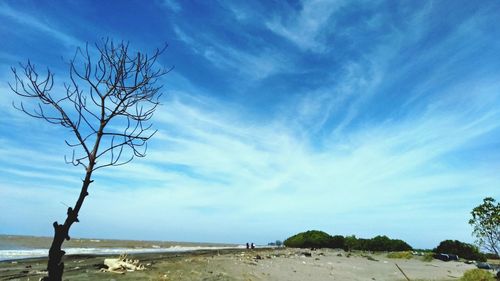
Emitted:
<point x="122" y="265"/>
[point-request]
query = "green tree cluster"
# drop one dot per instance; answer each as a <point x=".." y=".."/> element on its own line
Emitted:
<point x="309" y="239"/>
<point x="320" y="239"/>
<point x="377" y="243"/>
<point x="461" y="249"/>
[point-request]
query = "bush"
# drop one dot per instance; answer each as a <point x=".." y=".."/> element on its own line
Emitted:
<point x="477" y="275"/>
<point x="400" y="255"/>
<point x="427" y="257"/>
<point x="309" y="239"/>
<point x="463" y="250"/>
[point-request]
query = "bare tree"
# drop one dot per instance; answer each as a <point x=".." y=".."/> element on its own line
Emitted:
<point x="106" y="104"/>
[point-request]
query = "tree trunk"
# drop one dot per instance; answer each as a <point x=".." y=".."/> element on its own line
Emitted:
<point x="55" y="266"/>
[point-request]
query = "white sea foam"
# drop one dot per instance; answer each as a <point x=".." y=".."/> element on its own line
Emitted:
<point x="35" y="253"/>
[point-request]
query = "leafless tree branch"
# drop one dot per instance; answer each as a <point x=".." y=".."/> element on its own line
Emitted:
<point x="106" y="104"/>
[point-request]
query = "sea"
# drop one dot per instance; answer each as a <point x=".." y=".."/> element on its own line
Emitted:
<point x="14" y="247"/>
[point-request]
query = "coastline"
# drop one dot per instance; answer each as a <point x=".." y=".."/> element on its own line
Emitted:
<point x="20" y="254"/>
<point x="15" y="247"/>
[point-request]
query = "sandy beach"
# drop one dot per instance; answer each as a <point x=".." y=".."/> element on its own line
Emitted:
<point x="247" y="265"/>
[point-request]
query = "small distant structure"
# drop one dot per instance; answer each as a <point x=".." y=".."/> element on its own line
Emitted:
<point x="278" y="243"/>
<point x="484" y="265"/>
<point x="446" y="257"/>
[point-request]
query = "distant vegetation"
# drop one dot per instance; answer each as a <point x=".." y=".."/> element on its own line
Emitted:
<point x="310" y="239"/>
<point x="399" y="248"/>
<point x="400" y="255"/>
<point x="461" y="249"/>
<point x="428" y="256"/>
<point x="377" y="243"/>
<point x="320" y="239"/>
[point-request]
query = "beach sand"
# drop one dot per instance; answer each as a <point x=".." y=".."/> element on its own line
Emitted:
<point x="245" y="265"/>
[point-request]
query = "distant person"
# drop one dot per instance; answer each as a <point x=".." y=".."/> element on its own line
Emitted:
<point x="253" y="246"/>
<point x="248" y="246"/>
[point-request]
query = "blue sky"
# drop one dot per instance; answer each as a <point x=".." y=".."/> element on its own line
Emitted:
<point x="352" y="117"/>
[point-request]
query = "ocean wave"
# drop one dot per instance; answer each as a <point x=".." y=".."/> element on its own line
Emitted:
<point x="36" y="253"/>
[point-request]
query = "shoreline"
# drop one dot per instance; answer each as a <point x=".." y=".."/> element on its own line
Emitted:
<point x="16" y="247"/>
<point x="21" y="254"/>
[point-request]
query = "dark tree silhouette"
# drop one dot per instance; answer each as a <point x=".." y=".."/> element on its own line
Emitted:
<point x="107" y="103"/>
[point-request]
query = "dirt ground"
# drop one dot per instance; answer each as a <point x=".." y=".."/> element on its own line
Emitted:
<point x="249" y="265"/>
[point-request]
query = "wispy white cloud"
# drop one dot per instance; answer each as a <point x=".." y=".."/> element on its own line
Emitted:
<point x="361" y="84"/>
<point x="260" y="170"/>
<point x="38" y="24"/>
<point x="306" y="27"/>
<point x="256" y="65"/>
<point x="172" y="5"/>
